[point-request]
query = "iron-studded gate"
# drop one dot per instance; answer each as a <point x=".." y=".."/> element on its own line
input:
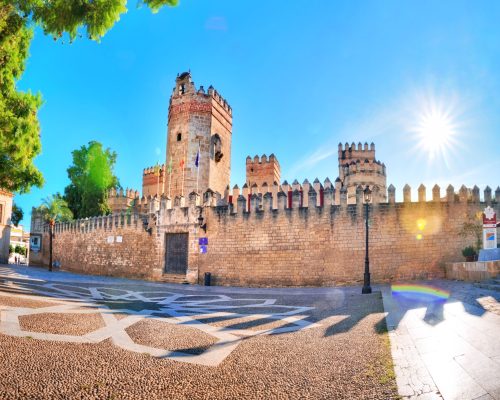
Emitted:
<point x="176" y="253"/>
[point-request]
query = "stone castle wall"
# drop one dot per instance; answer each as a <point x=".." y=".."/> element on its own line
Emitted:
<point x="91" y="247"/>
<point x="262" y="241"/>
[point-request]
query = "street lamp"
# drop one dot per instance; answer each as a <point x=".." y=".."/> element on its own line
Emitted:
<point x="367" y="194"/>
<point x="52" y="223"/>
<point x="201" y="223"/>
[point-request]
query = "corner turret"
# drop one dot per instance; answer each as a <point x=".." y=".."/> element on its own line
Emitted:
<point x="359" y="167"/>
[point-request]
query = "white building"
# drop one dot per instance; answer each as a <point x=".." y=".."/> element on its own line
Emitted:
<point x="5" y="215"/>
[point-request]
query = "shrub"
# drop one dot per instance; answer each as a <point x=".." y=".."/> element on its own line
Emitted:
<point x="469" y="251"/>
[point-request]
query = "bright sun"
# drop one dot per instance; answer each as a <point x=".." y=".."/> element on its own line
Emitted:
<point x="435" y="130"/>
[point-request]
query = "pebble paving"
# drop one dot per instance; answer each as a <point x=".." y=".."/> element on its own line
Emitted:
<point x="312" y="344"/>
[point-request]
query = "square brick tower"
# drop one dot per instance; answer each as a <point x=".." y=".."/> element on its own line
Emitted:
<point x="262" y="170"/>
<point x="358" y="166"/>
<point x="196" y="119"/>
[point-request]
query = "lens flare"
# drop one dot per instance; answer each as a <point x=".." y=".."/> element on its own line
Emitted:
<point x="419" y="292"/>
<point x="436" y="130"/>
<point x="436" y="127"/>
<point x="421" y="223"/>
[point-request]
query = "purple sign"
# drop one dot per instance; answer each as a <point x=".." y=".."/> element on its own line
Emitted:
<point x="203" y="249"/>
<point x="203" y="241"/>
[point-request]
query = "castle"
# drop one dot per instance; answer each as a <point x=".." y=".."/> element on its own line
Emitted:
<point x="201" y="121"/>
<point x="267" y="233"/>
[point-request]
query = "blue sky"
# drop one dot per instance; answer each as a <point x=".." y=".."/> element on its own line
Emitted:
<point x="301" y="77"/>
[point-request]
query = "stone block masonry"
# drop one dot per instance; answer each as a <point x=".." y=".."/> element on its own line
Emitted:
<point x="257" y="241"/>
<point x="116" y="245"/>
<point x="318" y="246"/>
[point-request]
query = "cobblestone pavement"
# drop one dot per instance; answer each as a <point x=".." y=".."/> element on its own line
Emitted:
<point x="445" y="348"/>
<point x="72" y="336"/>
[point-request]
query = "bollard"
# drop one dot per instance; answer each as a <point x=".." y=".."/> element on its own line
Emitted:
<point x="208" y="278"/>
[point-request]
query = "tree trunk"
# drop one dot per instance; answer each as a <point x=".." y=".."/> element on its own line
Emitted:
<point x="50" y="247"/>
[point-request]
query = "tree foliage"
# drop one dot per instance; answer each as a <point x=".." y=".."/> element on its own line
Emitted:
<point x="91" y="176"/>
<point x="19" y="127"/>
<point x="21" y="250"/>
<point x="17" y="214"/>
<point x="55" y="209"/>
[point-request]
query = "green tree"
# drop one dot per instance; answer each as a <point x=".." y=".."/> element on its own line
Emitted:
<point x="54" y="209"/>
<point x="91" y="176"/>
<point x="19" y="126"/>
<point x="17" y="214"/>
<point x="21" y="250"/>
<point x="11" y="249"/>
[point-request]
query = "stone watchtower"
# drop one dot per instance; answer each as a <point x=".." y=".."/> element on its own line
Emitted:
<point x="262" y="170"/>
<point x="152" y="180"/>
<point x="196" y="118"/>
<point x="358" y="166"/>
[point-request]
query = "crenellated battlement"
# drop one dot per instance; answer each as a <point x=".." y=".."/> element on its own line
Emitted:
<point x="153" y="170"/>
<point x="262" y="170"/>
<point x="353" y="152"/>
<point x="105" y="222"/>
<point x="364" y="166"/>
<point x="127" y="193"/>
<point x="318" y="195"/>
<point x="264" y="159"/>
<point x="120" y="200"/>
<point x="215" y="95"/>
<point x="276" y="198"/>
<point x="153" y="179"/>
<point x="185" y="87"/>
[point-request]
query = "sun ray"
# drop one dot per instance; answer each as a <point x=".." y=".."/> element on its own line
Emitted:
<point x="436" y="130"/>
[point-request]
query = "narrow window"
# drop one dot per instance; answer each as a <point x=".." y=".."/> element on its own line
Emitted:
<point x="179" y="137"/>
<point x="216" y="148"/>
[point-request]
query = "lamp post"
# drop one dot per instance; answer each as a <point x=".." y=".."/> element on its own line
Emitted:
<point x="51" y="236"/>
<point x="367" y="194"/>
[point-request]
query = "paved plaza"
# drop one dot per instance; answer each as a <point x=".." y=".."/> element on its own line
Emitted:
<point x="446" y="349"/>
<point x="66" y="336"/>
<point x="95" y="337"/>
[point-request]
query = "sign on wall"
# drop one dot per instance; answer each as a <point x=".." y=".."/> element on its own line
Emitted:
<point x="35" y="243"/>
<point x="489" y="228"/>
<point x="489" y="218"/>
<point x="203" y="242"/>
<point x="490" y="238"/>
